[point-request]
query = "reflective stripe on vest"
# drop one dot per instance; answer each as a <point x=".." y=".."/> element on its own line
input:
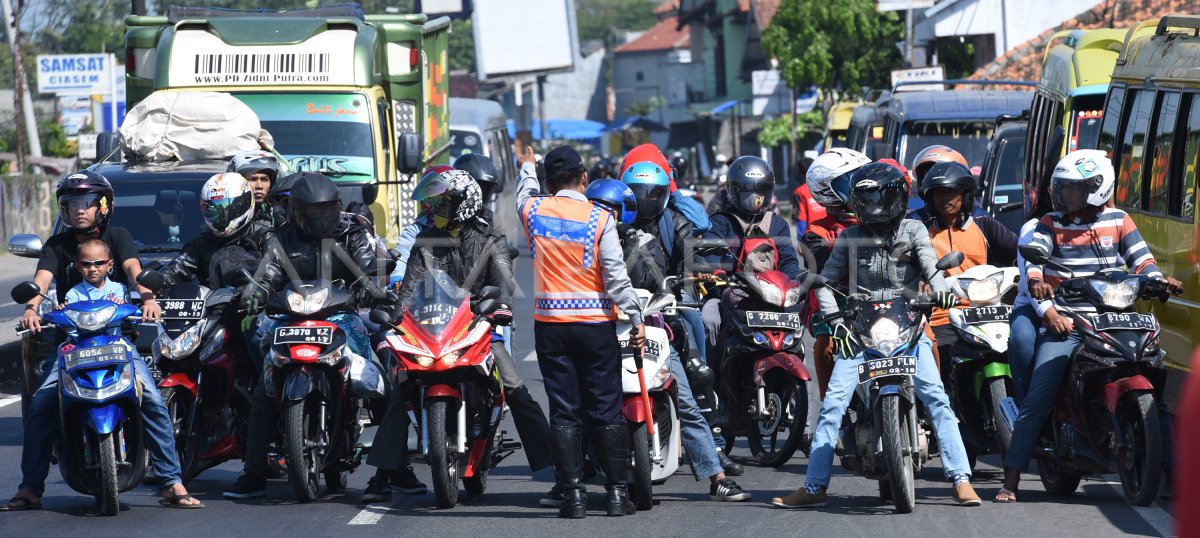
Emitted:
<point x="564" y="242"/>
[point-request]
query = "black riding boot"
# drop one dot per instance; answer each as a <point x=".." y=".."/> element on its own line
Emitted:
<point x="613" y="441"/>
<point x="568" y="471"/>
<point x="532" y="427"/>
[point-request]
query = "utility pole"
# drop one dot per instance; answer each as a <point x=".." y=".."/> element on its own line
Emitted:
<point x="21" y="98"/>
<point x="908" y="35"/>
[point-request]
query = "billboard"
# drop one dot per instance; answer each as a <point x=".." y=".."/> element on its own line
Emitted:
<point x="514" y="37"/>
<point x="75" y="74"/>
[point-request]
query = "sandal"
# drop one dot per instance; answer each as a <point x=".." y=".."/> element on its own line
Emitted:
<point x="1006" y="496"/>
<point x="177" y="501"/>
<point x="18" y="503"/>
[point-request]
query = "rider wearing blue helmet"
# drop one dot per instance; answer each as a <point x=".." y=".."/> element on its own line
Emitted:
<point x="616" y="197"/>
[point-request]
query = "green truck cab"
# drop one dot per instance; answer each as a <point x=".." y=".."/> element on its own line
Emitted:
<point x="363" y="98"/>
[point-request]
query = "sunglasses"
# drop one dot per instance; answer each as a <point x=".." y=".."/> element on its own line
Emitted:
<point x="92" y="263"/>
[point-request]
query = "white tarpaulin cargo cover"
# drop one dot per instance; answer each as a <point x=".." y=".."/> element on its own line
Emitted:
<point x="187" y="126"/>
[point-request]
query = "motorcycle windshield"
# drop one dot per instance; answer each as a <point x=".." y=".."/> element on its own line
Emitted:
<point x="886" y="323"/>
<point x="437" y="302"/>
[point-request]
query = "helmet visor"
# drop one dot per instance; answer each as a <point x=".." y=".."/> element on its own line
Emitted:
<point x="221" y="215"/>
<point x="321" y="220"/>
<point x="651" y="200"/>
<point x="879" y="205"/>
<point x="78" y="202"/>
<point x="432" y="188"/>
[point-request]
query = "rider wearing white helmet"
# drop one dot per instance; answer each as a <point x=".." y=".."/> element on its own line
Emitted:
<point x="261" y="169"/>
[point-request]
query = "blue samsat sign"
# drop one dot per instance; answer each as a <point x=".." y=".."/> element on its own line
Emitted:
<point x="80" y="74"/>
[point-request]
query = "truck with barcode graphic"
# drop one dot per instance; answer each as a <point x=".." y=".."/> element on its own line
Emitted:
<point x="361" y="98"/>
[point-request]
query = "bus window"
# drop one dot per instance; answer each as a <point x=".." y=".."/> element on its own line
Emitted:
<point x="1185" y="204"/>
<point x="1133" y="150"/>
<point x="1107" y="140"/>
<point x="1160" y="165"/>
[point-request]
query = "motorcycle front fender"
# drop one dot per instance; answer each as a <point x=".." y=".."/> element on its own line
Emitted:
<point x="787" y="362"/>
<point x="103" y="419"/>
<point x="443" y="391"/>
<point x="179" y="379"/>
<point x="297" y="385"/>
<point x="1115" y="390"/>
<point x="991" y="370"/>
<point x="634" y="409"/>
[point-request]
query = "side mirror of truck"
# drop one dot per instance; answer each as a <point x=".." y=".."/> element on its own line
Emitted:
<point x="108" y="147"/>
<point x="408" y="153"/>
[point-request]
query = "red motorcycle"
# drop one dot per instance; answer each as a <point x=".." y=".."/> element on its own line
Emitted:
<point x="443" y="343"/>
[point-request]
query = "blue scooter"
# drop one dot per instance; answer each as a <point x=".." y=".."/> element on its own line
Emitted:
<point x="101" y="442"/>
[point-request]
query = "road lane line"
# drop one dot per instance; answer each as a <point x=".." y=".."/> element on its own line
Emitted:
<point x="8" y="304"/>
<point x="531" y="357"/>
<point x="369" y="515"/>
<point x="1154" y="515"/>
<point x="9" y="400"/>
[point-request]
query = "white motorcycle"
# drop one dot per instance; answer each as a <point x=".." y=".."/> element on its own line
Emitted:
<point x="980" y="381"/>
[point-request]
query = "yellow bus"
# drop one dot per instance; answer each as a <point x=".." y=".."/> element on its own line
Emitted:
<point x="838" y="125"/>
<point x="1151" y="129"/>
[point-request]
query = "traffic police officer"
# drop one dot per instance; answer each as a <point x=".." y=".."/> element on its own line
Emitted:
<point x="579" y="275"/>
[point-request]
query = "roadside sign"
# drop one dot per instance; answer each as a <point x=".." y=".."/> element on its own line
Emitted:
<point x="919" y="74"/>
<point x="902" y="5"/>
<point x="86" y="150"/>
<point x="75" y="74"/>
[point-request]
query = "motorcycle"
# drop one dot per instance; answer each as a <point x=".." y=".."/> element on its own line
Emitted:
<point x="650" y="403"/>
<point x="763" y="380"/>
<point x="205" y="378"/>
<point x="1106" y="414"/>
<point x="881" y="436"/>
<point x="307" y="373"/>
<point x="443" y="344"/>
<point x="101" y="440"/>
<point x="980" y="382"/>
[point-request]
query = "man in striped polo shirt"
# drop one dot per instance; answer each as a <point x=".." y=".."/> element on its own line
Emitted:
<point x="1082" y="233"/>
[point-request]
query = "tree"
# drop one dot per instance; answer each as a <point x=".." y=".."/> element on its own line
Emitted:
<point x="778" y="131"/>
<point x="841" y="45"/>
<point x="644" y="108"/>
<point x="608" y="19"/>
<point x="461" y="46"/>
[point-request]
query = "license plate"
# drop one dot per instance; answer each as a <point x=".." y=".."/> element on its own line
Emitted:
<point x="987" y="314"/>
<point x="1112" y="321"/>
<point x="93" y="355"/>
<point x="774" y="320"/>
<point x="183" y="309"/>
<point x="304" y="335"/>
<point x="892" y="366"/>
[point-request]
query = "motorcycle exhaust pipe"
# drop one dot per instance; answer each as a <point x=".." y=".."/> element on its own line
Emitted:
<point x="462" y="420"/>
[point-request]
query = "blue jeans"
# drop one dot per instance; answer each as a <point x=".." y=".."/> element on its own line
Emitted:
<point x="41" y="427"/>
<point x="1022" y="338"/>
<point x="693" y="429"/>
<point x="842" y="383"/>
<point x="1049" y="365"/>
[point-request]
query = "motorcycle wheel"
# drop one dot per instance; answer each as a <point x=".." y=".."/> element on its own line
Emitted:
<point x="729" y="438"/>
<point x="641" y="491"/>
<point x="443" y="462"/>
<point x="300" y="440"/>
<point x="1139" y="461"/>
<point x="786" y="396"/>
<point x="179" y="408"/>
<point x="1055" y="480"/>
<point x="107" y="486"/>
<point x="896" y="438"/>
<point x="997" y="392"/>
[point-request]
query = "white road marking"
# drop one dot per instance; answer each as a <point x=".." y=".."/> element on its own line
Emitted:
<point x="531" y="357"/>
<point x="369" y="515"/>
<point x="8" y="304"/>
<point x="1154" y="515"/>
<point x="9" y="400"/>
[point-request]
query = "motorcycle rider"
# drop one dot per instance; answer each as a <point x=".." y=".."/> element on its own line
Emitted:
<point x="1087" y="236"/>
<point x="650" y="259"/>
<point x="483" y="171"/>
<point x="475" y="255"/>
<point x="829" y="182"/>
<point x="301" y="250"/>
<point x="883" y="252"/>
<point x="86" y="206"/>
<point x="948" y="190"/>
<point x="261" y="169"/>
<point x="685" y="206"/>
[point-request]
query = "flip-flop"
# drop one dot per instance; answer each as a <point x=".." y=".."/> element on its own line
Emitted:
<point x="17" y="504"/>
<point x="177" y="502"/>
<point x="1003" y="491"/>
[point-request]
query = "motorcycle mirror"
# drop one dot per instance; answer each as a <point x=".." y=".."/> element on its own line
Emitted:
<point x="380" y="317"/>
<point x="658" y="302"/>
<point x="486" y="307"/>
<point x="489" y="292"/>
<point x="951" y="260"/>
<point x="24" y="292"/>
<point x="152" y="280"/>
<point x="711" y="247"/>
<point x="1033" y="254"/>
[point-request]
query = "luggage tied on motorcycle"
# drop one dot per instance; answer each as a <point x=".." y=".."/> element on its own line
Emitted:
<point x="564" y="242"/>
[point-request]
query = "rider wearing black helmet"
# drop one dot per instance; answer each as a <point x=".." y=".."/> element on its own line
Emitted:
<point x="751" y="188"/>
<point x="483" y="171"/>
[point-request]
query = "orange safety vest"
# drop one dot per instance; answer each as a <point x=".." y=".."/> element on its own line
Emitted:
<point x="564" y="242"/>
<point x="974" y="246"/>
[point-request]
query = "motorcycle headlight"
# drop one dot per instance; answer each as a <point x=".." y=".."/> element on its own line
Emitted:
<point x="792" y="297"/>
<point x="760" y="339"/>
<point x="1117" y="295"/>
<point x="660" y="377"/>
<point x="425" y="361"/>
<point x="122" y="383"/>
<point x="92" y="321"/>
<point x="984" y="290"/>
<point x="788" y="340"/>
<point x="450" y="358"/>
<point x="182" y="346"/>
<point x="307" y="304"/>
<point x="885" y="336"/>
<point x="770" y="293"/>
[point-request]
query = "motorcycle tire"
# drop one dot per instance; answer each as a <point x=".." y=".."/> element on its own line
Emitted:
<point x="107" y="486"/>
<point x="179" y="405"/>
<point x="443" y="460"/>
<point x="300" y="437"/>
<point x="1140" y="463"/>
<point x="1055" y="480"/>
<point x="783" y="392"/>
<point x="895" y="432"/>
<point x="641" y="490"/>
<point x="730" y="438"/>
<point x="997" y="393"/>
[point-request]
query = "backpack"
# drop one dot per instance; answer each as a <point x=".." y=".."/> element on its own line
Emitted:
<point x="759" y="250"/>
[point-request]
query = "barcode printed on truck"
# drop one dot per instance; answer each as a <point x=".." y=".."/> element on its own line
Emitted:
<point x="262" y="63"/>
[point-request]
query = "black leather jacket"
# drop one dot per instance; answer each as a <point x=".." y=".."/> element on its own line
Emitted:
<point x="206" y="256"/>
<point x="479" y="253"/>
<point x="304" y="255"/>
<point x="649" y="263"/>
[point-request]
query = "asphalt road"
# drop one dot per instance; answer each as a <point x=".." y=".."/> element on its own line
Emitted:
<point x="13" y="270"/>
<point x="509" y="507"/>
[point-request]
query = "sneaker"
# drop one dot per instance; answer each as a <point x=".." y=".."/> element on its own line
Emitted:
<point x="965" y="495"/>
<point x="801" y="498"/>
<point x="553" y="499"/>
<point x="247" y="485"/>
<point x="378" y="491"/>
<point x="726" y="489"/>
<point x="405" y="481"/>
<point x="732" y="468"/>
